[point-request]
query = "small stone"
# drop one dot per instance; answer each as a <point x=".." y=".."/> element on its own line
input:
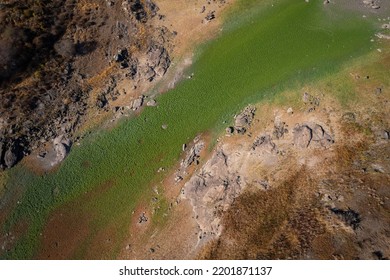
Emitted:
<point x="230" y="130"/>
<point x="378" y="168"/>
<point x="164" y="126"/>
<point x="178" y="179"/>
<point x="142" y="218"/>
<point x="386" y="26"/>
<point x="290" y="111"/>
<point x="151" y="103"/>
<point x="306" y="97"/>
<point x="137" y="103"/>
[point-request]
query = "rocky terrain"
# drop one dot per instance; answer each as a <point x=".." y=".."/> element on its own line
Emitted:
<point x="305" y="184"/>
<point x="302" y="178"/>
<point x="60" y="61"/>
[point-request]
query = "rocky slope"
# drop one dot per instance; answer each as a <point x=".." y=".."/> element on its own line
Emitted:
<point x="311" y="183"/>
<point x="61" y="60"/>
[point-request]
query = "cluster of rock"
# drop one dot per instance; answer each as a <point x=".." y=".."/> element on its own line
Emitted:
<point x="311" y="135"/>
<point x="213" y="188"/>
<point x="9" y="155"/>
<point x="210" y="15"/>
<point x="374" y="4"/>
<point x="242" y="121"/>
<point x="211" y="192"/>
<point x="58" y="99"/>
<point x="192" y="156"/>
<point x="139" y="9"/>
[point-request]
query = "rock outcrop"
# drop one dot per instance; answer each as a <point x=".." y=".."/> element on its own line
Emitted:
<point x="243" y="120"/>
<point x="311" y="134"/>
<point x="41" y="101"/>
<point x="233" y="167"/>
<point x="212" y="191"/>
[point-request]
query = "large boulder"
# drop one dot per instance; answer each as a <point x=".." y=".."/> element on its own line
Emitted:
<point x="137" y="103"/>
<point x="159" y="59"/>
<point x="61" y="147"/>
<point x="311" y="134"/>
<point x="11" y="156"/>
<point x="302" y="136"/>
<point x="244" y="119"/>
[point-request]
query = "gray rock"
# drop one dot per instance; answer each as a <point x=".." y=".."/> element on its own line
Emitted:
<point x="193" y="154"/>
<point x="264" y="142"/>
<point x="210" y="16"/>
<point x="378" y="168"/>
<point x="10" y="157"/>
<point x="349" y="117"/>
<point x="137" y="103"/>
<point x="142" y="218"/>
<point x="280" y="128"/>
<point x="302" y="136"/>
<point x="229" y="130"/>
<point x="101" y="101"/>
<point x="244" y="119"/>
<point x="306" y="97"/>
<point x="386" y="26"/>
<point x="311" y="134"/>
<point x="159" y="60"/>
<point x="61" y="147"/>
<point x="151" y="103"/>
<point x="149" y="74"/>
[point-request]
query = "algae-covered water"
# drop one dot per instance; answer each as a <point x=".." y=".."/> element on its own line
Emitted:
<point x="259" y="53"/>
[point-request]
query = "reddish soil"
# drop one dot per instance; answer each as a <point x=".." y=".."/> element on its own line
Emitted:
<point x="66" y="229"/>
<point x="69" y="226"/>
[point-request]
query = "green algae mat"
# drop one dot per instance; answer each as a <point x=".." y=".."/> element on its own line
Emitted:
<point x="260" y="52"/>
